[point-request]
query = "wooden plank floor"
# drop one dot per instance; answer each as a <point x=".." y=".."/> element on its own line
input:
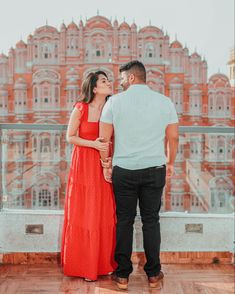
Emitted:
<point x="187" y="279"/>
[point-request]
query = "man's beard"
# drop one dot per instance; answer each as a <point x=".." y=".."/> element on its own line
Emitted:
<point x="125" y="86"/>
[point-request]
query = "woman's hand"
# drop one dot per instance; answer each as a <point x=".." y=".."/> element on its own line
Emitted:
<point x="107" y="163"/>
<point x="107" y="172"/>
<point x="99" y="145"/>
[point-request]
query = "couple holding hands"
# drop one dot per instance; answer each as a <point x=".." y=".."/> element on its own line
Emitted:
<point x="119" y="159"/>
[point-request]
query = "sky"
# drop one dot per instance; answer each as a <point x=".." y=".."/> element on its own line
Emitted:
<point x="206" y="26"/>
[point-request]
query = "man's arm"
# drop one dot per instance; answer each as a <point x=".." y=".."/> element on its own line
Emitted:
<point x="106" y="132"/>
<point x="172" y="138"/>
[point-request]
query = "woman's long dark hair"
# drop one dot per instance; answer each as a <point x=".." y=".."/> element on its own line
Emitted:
<point x="88" y="85"/>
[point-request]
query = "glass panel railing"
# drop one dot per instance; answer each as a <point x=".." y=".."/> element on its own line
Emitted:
<point x="35" y="162"/>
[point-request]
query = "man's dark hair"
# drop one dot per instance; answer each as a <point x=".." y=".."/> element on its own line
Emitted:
<point x="136" y="68"/>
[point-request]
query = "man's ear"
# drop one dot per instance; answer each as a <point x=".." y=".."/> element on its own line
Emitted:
<point x="131" y="78"/>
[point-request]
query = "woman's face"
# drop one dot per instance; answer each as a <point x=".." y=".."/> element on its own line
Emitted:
<point x="103" y="86"/>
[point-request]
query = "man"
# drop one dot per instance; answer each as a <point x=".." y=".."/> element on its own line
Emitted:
<point x="142" y="120"/>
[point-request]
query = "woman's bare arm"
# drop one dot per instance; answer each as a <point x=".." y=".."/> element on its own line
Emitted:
<point x="72" y="135"/>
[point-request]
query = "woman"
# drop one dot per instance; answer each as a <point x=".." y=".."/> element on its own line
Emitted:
<point x="88" y="238"/>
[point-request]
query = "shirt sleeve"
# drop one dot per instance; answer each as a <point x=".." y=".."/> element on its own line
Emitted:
<point x="107" y="112"/>
<point x="173" y="118"/>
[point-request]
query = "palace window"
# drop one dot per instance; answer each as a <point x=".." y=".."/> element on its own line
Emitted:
<point x="45" y="196"/>
<point x="149" y="51"/>
<point x="45" y="145"/>
<point x="195" y="102"/>
<point x="176" y="94"/>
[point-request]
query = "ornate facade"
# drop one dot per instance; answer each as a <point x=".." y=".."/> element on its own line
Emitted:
<point x="40" y="80"/>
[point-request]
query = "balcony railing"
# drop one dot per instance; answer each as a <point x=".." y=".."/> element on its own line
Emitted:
<point x="197" y="205"/>
<point x="35" y="162"/>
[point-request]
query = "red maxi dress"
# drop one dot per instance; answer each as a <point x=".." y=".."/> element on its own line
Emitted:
<point x="88" y="237"/>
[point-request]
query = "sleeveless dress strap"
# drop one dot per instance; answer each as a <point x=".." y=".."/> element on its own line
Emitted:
<point x="83" y="108"/>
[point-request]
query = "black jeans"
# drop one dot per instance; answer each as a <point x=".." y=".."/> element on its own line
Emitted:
<point x="145" y="185"/>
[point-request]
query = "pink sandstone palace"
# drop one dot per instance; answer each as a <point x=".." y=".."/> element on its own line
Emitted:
<point x="40" y="80"/>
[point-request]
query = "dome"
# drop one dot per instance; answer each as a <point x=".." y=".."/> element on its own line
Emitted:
<point x="98" y="22"/>
<point x="195" y="55"/>
<point x="151" y="29"/>
<point x="45" y="29"/>
<point x="72" y="26"/>
<point x="219" y="81"/>
<point x="21" y="44"/>
<point x="30" y="37"/>
<point x="176" y="44"/>
<point x="124" y="26"/>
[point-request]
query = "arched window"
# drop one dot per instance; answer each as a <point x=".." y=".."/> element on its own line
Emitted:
<point x="34" y="144"/>
<point x="220" y="103"/>
<point x="35" y="94"/>
<point x="20" y="101"/>
<point x="221" y="192"/>
<point x="177" y="201"/>
<point x="45" y="196"/>
<point x="3" y="102"/>
<point x="45" y="52"/>
<point x="45" y="145"/>
<point x="71" y="94"/>
<point x="196" y="153"/>
<point x="46" y="90"/>
<point x="221" y="148"/>
<point x="72" y="45"/>
<point x="149" y="51"/>
<point x="99" y="49"/>
<point x="180" y="153"/>
<point x="176" y="94"/>
<point x="124" y="43"/>
<point x="195" y="102"/>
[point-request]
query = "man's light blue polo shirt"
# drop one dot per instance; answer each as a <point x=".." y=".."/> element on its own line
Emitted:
<point x="140" y="117"/>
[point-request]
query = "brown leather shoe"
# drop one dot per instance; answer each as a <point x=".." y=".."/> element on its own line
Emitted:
<point x="156" y="281"/>
<point x="122" y="283"/>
